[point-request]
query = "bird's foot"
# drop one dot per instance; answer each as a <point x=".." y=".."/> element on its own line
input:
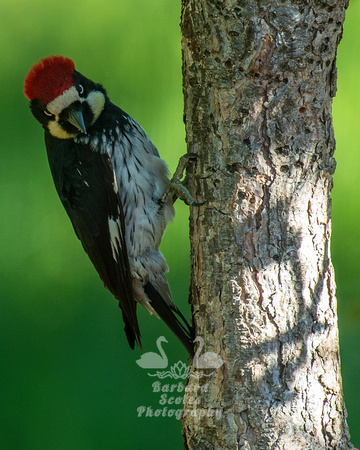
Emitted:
<point x="176" y="187"/>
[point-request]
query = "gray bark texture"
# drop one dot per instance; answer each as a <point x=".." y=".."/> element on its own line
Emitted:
<point x="258" y="80"/>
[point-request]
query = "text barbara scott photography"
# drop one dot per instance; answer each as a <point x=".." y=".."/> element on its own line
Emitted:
<point x="170" y="400"/>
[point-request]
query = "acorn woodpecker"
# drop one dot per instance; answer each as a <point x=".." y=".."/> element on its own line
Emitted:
<point x="111" y="181"/>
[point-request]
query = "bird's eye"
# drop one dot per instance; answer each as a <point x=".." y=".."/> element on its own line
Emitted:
<point x="81" y="89"/>
<point x="48" y="113"/>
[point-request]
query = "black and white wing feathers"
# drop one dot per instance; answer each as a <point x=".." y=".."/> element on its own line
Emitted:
<point x="86" y="185"/>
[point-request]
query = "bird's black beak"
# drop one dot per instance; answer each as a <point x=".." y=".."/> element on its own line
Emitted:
<point x="76" y="118"/>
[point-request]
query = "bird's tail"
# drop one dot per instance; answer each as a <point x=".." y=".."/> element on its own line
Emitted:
<point x="171" y="315"/>
<point x="132" y="330"/>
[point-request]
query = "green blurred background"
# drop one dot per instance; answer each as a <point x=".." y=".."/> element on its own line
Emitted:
<point x="68" y="379"/>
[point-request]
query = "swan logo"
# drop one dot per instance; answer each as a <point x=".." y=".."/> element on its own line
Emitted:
<point x="152" y="360"/>
<point x="208" y="360"/>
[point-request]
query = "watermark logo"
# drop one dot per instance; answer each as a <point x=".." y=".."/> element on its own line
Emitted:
<point x="170" y="395"/>
<point x="208" y="360"/>
<point x="152" y="360"/>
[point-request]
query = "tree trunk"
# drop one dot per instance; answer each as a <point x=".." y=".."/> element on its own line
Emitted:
<point x="258" y="78"/>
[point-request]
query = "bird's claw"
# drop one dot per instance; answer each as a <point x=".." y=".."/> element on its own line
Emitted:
<point x="177" y="188"/>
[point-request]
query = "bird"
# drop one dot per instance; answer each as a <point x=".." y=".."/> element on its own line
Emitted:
<point x="208" y="360"/>
<point x="110" y="179"/>
<point x="152" y="360"/>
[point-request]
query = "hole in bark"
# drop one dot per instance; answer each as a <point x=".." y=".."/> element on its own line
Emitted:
<point x="216" y="183"/>
<point x="241" y="195"/>
<point x="232" y="168"/>
<point x="302" y="109"/>
<point x="324" y="48"/>
<point x="282" y="150"/>
<point x="284" y="169"/>
<point x="228" y="64"/>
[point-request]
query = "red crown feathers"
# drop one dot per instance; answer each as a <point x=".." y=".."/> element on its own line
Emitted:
<point x="49" y="78"/>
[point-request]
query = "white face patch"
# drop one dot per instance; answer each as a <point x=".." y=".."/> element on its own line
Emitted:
<point x="96" y="101"/>
<point x="114" y="230"/>
<point x="63" y="101"/>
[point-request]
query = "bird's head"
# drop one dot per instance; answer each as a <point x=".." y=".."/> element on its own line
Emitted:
<point x="61" y="99"/>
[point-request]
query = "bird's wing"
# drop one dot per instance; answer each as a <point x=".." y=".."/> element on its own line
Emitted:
<point x="85" y="182"/>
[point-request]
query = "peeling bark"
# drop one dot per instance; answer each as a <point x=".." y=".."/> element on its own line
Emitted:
<point x="258" y="78"/>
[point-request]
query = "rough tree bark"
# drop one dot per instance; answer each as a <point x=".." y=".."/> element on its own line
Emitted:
<point x="258" y="79"/>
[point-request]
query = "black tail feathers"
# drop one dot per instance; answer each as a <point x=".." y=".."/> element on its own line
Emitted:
<point x="171" y="315"/>
<point x="132" y="332"/>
